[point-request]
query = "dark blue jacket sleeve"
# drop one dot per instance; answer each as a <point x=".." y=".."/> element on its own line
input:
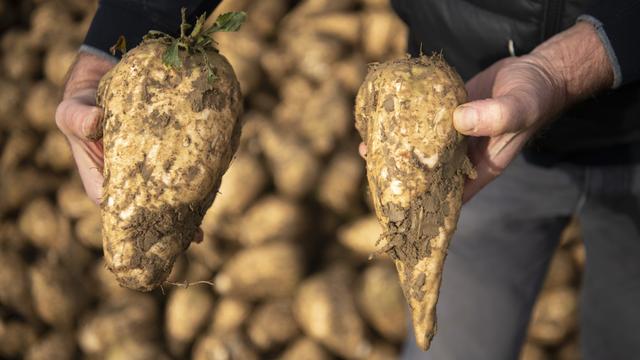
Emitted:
<point x="617" y="23"/>
<point x="134" y="18"/>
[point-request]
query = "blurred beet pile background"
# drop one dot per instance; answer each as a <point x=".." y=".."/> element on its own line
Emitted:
<point x="289" y="241"/>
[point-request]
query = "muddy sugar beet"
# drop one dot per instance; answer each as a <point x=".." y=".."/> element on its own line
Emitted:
<point x="170" y="129"/>
<point x="416" y="169"/>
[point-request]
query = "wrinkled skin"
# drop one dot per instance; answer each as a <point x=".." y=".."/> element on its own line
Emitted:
<point x="169" y="135"/>
<point x="416" y="168"/>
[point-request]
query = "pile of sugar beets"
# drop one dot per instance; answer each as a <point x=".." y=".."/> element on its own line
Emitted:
<point x="308" y="251"/>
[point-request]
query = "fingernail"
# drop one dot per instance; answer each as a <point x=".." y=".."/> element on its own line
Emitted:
<point x="90" y="123"/>
<point x="87" y="125"/>
<point x="465" y="118"/>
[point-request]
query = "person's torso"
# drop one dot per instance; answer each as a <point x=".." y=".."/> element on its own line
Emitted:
<point x="473" y="34"/>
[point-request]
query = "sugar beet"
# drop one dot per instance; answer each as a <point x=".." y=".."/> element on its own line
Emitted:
<point x="171" y="126"/>
<point x="416" y="168"/>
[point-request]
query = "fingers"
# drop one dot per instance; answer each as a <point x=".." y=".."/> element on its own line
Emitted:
<point x="80" y="122"/>
<point x="199" y="236"/>
<point x="490" y="157"/>
<point x="486" y="172"/>
<point x="89" y="159"/>
<point x="493" y="117"/>
<point x="75" y="118"/>
<point x="362" y="149"/>
<point x="89" y="162"/>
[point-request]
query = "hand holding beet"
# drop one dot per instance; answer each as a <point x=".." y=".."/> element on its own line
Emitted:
<point x="78" y="117"/>
<point x="170" y="128"/>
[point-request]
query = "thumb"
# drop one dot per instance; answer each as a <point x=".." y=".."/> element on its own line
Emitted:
<point x="492" y="117"/>
<point x="362" y="149"/>
<point x="75" y="118"/>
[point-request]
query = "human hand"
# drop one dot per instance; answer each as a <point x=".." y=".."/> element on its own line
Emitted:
<point x="78" y="117"/>
<point x="509" y="102"/>
<point x="513" y="98"/>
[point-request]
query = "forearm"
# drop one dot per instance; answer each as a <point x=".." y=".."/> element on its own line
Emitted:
<point x="578" y="60"/>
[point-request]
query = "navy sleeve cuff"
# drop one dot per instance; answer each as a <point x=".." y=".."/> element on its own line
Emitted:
<point x="611" y="54"/>
<point x="112" y="20"/>
<point x="97" y="52"/>
<point x="617" y="21"/>
<point x="133" y="19"/>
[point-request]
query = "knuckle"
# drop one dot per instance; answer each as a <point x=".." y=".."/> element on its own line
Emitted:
<point x="509" y="115"/>
<point x="495" y="170"/>
<point x="510" y="60"/>
<point x="495" y="119"/>
<point x="61" y="116"/>
<point x="524" y="108"/>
